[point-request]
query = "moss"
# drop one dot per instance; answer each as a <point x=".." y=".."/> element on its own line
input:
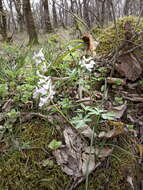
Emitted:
<point x="108" y="36"/>
<point x="111" y="175"/>
<point x="23" y="169"/>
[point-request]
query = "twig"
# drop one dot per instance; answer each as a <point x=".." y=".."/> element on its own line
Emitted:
<point x="117" y="38"/>
<point x="131" y="50"/>
<point x="20" y="149"/>
<point x="138" y="21"/>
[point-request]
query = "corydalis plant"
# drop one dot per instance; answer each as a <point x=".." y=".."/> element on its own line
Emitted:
<point x="44" y="90"/>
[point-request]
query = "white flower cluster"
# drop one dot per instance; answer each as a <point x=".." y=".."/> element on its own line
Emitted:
<point x="39" y="59"/>
<point x="45" y="89"/>
<point x="88" y="63"/>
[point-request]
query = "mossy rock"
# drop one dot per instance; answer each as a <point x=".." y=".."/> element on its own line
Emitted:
<point x="108" y="39"/>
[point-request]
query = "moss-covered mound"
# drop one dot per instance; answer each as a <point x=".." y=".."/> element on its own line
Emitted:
<point x="109" y="38"/>
<point x="25" y="168"/>
<point x="28" y="164"/>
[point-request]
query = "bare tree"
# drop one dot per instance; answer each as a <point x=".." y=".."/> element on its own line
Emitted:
<point x="103" y="12"/>
<point x="55" y="17"/>
<point x="20" y="18"/>
<point x="11" y="15"/>
<point x="48" y="25"/>
<point x="86" y="11"/>
<point x="141" y="7"/>
<point x="3" y="25"/>
<point x="126" y="7"/>
<point x="33" y="37"/>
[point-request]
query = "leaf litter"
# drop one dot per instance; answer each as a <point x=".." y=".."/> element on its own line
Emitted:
<point x="74" y="153"/>
<point x="76" y="157"/>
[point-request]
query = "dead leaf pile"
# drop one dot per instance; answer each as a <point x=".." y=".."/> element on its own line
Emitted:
<point x="76" y="158"/>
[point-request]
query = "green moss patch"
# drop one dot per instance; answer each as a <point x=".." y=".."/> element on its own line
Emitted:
<point x="24" y="169"/>
<point x="108" y="38"/>
<point x="29" y="166"/>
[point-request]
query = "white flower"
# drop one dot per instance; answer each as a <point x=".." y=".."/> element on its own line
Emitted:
<point x="36" y="93"/>
<point x="44" y="90"/>
<point x="39" y="59"/>
<point x="88" y="63"/>
<point x="43" y="101"/>
<point x="39" y="56"/>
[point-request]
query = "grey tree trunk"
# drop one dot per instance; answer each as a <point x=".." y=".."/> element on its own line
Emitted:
<point x="10" y="3"/>
<point x="103" y="13"/>
<point x="141" y="7"/>
<point x="31" y="29"/>
<point x="20" y="16"/>
<point x="55" y="17"/>
<point x="126" y="7"/>
<point x="3" y="24"/>
<point x="86" y="12"/>
<point x="48" y="25"/>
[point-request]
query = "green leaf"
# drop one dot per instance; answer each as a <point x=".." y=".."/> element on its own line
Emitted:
<point x="119" y="100"/>
<point x="48" y="163"/>
<point x="3" y="90"/>
<point x="108" y="115"/>
<point x="80" y="120"/>
<point x="54" y="144"/>
<point x="130" y="127"/>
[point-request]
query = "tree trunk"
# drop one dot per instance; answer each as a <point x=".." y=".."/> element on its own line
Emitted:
<point x="103" y="13"/>
<point x="141" y="7"/>
<point x="66" y="15"/>
<point x="86" y="12"/>
<point x="33" y="37"/>
<point x="3" y="25"/>
<point x="20" y="19"/>
<point x="10" y="3"/>
<point x="126" y="7"/>
<point x="48" y="25"/>
<point x="55" y="18"/>
<point x="80" y="8"/>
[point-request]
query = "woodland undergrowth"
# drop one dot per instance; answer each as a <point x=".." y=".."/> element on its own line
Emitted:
<point x="54" y="97"/>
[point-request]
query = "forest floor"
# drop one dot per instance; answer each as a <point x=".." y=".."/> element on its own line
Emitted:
<point x="71" y="113"/>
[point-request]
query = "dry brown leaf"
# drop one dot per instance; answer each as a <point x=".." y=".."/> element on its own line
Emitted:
<point x="7" y="106"/>
<point x="116" y="123"/>
<point x="133" y="97"/>
<point x="88" y="39"/>
<point x="103" y="152"/>
<point x="88" y="161"/>
<point x="70" y="162"/>
<point x="111" y="80"/>
<point x="140" y="150"/>
<point x="86" y="131"/>
<point x="75" y="157"/>
<point x="129" y="67"/>
<point x="118" y="110"/>
<point x="112" y="133"/>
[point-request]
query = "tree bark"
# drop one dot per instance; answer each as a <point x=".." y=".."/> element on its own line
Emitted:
<point x="141" y="7"/>
<point x="55" y="18"/>
<point x="48" y="25"/>
<point x="3" y="24"/>
<point x="20" y="19"/>
<point x="103" y="13"/>
<point x="31" y="29"/>
<point x="86" y="12"/>
<point x="126" y="7"/>
<point x="10" y="4"/>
